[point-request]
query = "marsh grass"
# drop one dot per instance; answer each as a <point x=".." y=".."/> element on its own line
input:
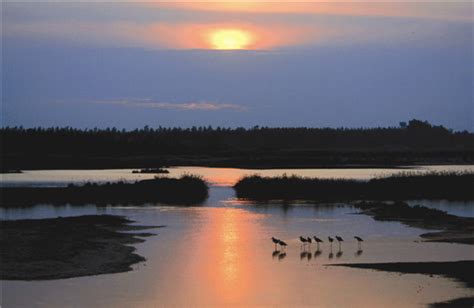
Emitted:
<point x="402" y="186"/>
<point x="188" y="189"/>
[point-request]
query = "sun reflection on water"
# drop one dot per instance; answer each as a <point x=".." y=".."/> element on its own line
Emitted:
<point x="228" y="263"/>
<point x="229" y="241"/>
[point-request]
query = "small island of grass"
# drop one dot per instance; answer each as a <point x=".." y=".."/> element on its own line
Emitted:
<point x="404" y="186"/>
<point x="185" y="190"/>
<point x="151" y="170"/>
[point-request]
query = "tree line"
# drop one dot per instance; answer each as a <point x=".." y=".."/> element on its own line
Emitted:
<point x="20" y="145"/>
<point x="203" y="140"/>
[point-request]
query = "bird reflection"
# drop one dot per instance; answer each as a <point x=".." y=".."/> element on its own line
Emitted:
<point x="306" y="254"/>
<point x="358" y="252"/>
<point x="331" y="255"/>
<point x="339" y="254"/>
<point x="275" y="254"/>
<point x="281" y="256"/>
<point x="317" y="253"/>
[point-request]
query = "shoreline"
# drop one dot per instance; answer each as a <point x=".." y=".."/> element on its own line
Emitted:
<point x="230" y="164"/>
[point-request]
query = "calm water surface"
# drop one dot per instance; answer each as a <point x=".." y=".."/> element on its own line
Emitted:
<point x="215" y="176"/>
<point x="221" y="254"/>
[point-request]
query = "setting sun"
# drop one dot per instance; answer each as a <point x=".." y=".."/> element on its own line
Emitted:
<point x="228" y="39"/>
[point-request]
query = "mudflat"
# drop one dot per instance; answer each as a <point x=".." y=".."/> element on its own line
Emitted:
<point x="450" y="228"/>
<point x="461" y="271"/>
<point x="41" y="249"/>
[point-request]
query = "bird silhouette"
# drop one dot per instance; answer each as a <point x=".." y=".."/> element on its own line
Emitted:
<point x="317" y="240"/>
<point x="359" y="241"/>
<point x="339" y="240"/>
<point x="309" y="241"/>
<point x="282" y="244"/>
<point x="275" y="241"/>
<point x="303" y="240"/>
<point x="330" y="239"/>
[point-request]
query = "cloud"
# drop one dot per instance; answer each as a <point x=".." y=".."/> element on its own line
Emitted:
<point x="188" y="106"/>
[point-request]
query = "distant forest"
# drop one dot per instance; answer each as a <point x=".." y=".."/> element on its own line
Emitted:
<point x="415" y="142"/>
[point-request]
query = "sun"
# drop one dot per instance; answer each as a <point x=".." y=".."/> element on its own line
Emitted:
<point x="230" y="39"/>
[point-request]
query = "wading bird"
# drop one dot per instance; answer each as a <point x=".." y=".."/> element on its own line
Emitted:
<point x="309" y="241"/>
<point x="339" y="240"/>
<point x="359" y="241"/>
<point x="317" y="240"/>
<point x="282" y="244"/>
<point x="303" y="240"/>
<point x="330" y="239"/>
<point x="275" y="241"/>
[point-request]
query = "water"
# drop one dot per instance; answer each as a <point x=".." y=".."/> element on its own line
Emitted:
<point x="224" y="256"/>
<point x="221" y="254"/>
<point x="458" y="208"/>
<point x="215" y="176"/>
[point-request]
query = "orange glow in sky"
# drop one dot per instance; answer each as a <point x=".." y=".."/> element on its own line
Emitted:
<point x="244" y="36"/>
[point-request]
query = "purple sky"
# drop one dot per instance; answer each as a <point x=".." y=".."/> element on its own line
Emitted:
<point x="305" y="64"/>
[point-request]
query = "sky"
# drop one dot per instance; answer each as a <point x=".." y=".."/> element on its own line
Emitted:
<point x="128" y="64"/>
